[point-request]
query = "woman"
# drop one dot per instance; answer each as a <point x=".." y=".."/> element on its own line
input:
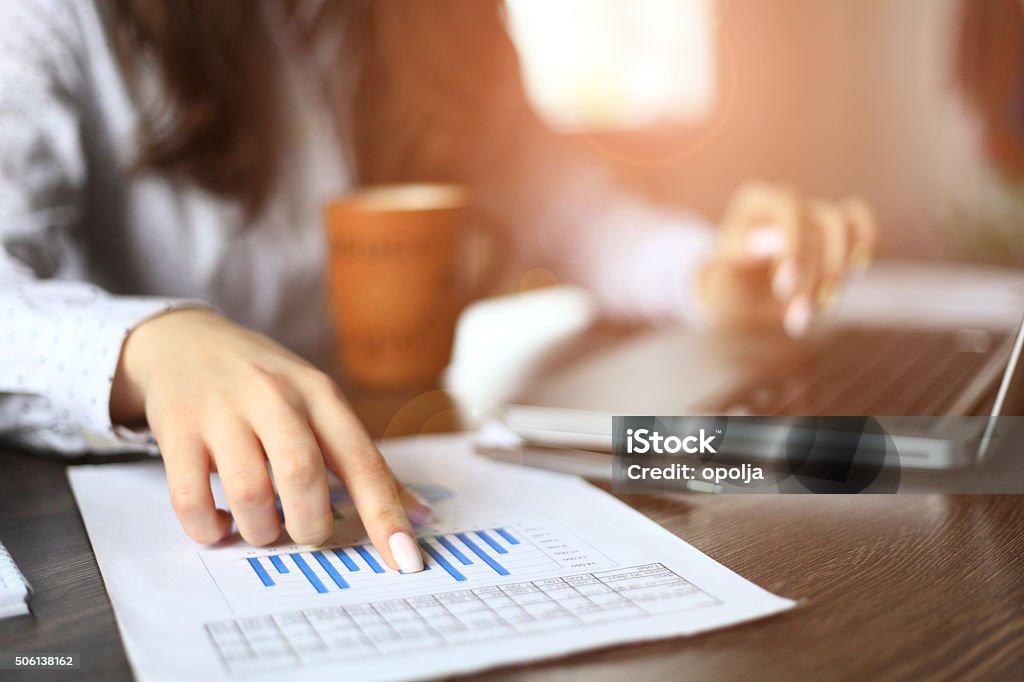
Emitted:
<point x="163" y="167"/>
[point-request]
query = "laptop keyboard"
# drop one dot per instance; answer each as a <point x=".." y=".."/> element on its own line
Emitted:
<point x="858" y="371"/>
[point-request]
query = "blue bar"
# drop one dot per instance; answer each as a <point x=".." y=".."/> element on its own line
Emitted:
<point x="490" y="541"/>
<point x="278" y="564"/>
<point x="511" y="539"/>
<point x="347" y="560"/>
<point x="498" y="568"/>
<point x="439" y="558"/>
<point x="261" y="572"/>
<point x="368" y="558"/>
<point x="308" y="572"/>
<point x="456" y="552"/>
<point x="331" y="570"/>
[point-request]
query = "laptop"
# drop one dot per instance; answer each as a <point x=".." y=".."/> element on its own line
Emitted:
<point x="937" y="385"/>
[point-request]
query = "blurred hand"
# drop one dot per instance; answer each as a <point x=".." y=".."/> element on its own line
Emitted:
<point x="783" y="257"/>
<point x="219" y="397"/>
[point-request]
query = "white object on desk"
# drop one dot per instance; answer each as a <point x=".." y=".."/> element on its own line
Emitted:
<point x="14" y="589"/>
<point x="523" y="565"/>
<point x="500" y="341"/>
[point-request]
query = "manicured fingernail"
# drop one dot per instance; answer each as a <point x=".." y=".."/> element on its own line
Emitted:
<point x="860" y="257"/>
<point x="827" y="296"/>
<point x="419" y="509"/>
<point x="797" y="319"/>
<point x="784" y="281"/>
<point x="406" y="553"/>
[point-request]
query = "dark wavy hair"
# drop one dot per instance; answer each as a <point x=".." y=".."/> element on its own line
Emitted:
<point x="416" y="80"/>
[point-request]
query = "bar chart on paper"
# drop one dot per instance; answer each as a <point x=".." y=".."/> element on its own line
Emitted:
<point x="522" y="565"/>
<point x="461" y="557"/>
<point x="532" y="575"/>
<point x="453" y="558"/>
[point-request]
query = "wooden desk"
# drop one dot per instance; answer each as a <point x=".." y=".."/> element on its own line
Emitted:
<point x="891" y="587"/>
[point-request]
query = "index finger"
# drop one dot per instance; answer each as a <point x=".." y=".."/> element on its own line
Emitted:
<point x="351" y="455"/>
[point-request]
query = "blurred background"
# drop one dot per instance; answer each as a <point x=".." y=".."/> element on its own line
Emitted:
<point x="916" y="104"/>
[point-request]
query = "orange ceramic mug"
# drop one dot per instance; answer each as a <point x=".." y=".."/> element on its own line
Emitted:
<point x="398" y="277"/>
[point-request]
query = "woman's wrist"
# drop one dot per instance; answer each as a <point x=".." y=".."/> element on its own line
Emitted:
<point x="139" y="354"/>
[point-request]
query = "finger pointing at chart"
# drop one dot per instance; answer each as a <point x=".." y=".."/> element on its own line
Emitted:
<point x="222" y="398"/>
<point x="350" y="454"/>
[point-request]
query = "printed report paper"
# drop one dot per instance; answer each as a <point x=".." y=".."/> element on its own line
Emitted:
<point x="521" y="565"/>
<point x="14" y="589"/>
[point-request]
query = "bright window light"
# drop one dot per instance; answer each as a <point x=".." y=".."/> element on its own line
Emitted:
<point x="592" y="65"/>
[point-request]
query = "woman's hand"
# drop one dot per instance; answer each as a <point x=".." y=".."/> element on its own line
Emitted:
<point x="219" y="397"/>
<point x="783" y="257"/>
